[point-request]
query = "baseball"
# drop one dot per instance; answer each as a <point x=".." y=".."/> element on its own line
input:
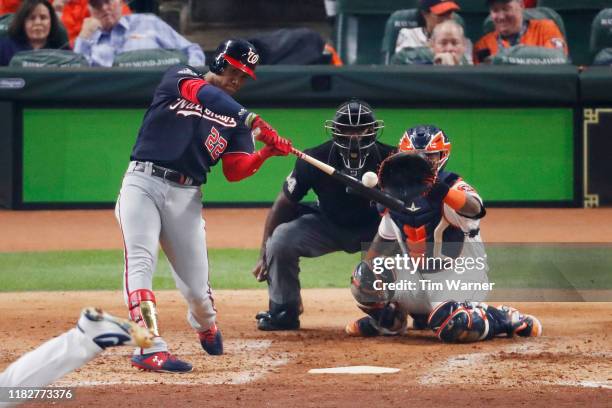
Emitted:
<point x="369" y="179"/>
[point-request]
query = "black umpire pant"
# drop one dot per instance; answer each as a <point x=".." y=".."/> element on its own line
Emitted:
<point x="310" y="235"/>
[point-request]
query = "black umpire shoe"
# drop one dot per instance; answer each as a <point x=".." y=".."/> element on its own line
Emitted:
<point x="281" y="321"/>
<point x="279" y="317"/>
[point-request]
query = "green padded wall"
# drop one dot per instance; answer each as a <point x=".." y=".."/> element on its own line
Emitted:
<point x="524" y="155"/>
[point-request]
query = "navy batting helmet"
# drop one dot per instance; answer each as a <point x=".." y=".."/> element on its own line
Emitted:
<point x="425" y="140"/>
<point x="240" y="54"/>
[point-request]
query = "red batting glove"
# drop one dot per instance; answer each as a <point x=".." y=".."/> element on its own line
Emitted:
<point x="263" y="131"/>
<point x="267" y="135"/>
<point x="282" y="149"/>
<point x="283" y="146"/>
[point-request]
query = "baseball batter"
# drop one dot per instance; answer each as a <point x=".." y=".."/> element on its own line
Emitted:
<point x="191" y="125"/>
<point x="437" y="235"/>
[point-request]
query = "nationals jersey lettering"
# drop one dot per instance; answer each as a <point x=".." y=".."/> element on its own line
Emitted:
<point x="186" y="108"/>
<point x="185" y="136"/>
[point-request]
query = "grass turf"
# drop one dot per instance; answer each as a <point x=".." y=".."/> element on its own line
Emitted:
<point x="99" y="270"/>
<point x="511" y="267"/>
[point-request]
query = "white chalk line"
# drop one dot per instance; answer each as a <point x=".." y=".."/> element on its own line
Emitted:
<point x="256" y="352"/>
<point x="446" y="371"/>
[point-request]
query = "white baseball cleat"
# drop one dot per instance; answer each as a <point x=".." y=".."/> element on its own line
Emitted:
<point x="108" y="331"/>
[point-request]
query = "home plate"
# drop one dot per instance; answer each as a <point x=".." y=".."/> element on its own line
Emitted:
<point x="354" y="370"/>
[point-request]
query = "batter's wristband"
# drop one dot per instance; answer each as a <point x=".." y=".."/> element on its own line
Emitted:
<point x="250" y="119"/>
<point x="455" y="199"/>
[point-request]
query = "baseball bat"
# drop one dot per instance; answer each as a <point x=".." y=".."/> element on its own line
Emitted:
<point x="373" y="194"/>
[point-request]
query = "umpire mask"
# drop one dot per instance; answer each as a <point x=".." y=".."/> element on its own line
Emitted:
<point x="354" y="131"/>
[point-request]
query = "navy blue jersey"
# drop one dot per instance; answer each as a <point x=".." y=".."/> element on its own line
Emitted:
<point x="188" y="137"/>
<point x="342" y="207"/>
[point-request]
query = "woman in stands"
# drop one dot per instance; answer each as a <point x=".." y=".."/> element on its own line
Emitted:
<point x="35" y="26"/>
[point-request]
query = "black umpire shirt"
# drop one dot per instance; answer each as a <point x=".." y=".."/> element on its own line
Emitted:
<point x="341" y="207"/>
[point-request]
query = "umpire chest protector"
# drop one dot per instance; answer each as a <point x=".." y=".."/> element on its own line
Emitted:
<point x="418" y="224"/>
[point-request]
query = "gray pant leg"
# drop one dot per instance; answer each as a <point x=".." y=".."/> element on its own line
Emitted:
<point x="310" y="235"/>
<point x="183" y="238"/>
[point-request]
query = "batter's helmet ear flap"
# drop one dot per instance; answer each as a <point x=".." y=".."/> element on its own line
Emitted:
<point x="238" y="53"/>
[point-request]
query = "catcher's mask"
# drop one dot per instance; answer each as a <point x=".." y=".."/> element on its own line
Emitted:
<point x="354" y="131"/>
<point x="238" y="53"/>
<point x="430" y="142"/>
<point x="366" y="285"/>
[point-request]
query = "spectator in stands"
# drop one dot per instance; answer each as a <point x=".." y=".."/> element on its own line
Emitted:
<point x="512" y="29"/>
<point x="448" y="44"/>
<point x="106" y="33"/>
<point x="74" y="12"/>
<point x="432" y="13"/>
<point x="35" y="26"/>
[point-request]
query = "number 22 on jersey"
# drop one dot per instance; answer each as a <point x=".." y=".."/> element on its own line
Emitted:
<point x="215" y="144"/>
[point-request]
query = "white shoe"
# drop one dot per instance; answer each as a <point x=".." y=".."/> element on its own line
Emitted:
<point x="108" y="331"/>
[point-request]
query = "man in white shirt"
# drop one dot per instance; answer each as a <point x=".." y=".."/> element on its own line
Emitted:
<point x="432" y="13"/>
<point x="107" y="33"/>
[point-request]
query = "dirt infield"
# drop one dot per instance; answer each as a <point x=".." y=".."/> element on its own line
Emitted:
<point x="567" y="367"/>
<point x="570" y="366"/>
<point x="242" y="228"/>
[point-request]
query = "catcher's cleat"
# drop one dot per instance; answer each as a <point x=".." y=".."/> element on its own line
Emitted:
<point x="162" y="362"/>
<point x="530" y="327"/>
<point x="212" y="341"/>
<point x="108" y="331"/>
<point x="522" y="325"/>
<point x="362" y="328"/>
<point x="273" y="322"/>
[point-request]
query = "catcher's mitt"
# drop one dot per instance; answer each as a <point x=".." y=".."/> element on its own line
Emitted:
<point x="406" y="176"/>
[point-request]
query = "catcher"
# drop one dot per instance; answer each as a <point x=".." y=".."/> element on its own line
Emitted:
<point x="436" y="236"/>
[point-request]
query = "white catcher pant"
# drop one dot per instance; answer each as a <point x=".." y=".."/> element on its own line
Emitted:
<point x="153" y="211"/>
<point x="50" y="361"/>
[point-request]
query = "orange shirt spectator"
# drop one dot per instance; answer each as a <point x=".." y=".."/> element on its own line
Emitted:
<point x="74" y="12"/>
<point x="9" y="6"/>
<point x="512" y="29"/>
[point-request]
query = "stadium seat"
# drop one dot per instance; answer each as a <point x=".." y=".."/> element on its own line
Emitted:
<point x="575" y="4"/>
<point x="398" y="20"/>
<point x="473" y="13"/>
<point x="157" y="57"/>
<point x="524" y="55"/>
<point x="601" y="37"/>
<point x="5" y="21"/>
<point x="538" y="13"/>
<point x="577" y="15"/>
<point x="360" y="27"/>
<point x="48" y="58"/>
<point x="473" y="6"/>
